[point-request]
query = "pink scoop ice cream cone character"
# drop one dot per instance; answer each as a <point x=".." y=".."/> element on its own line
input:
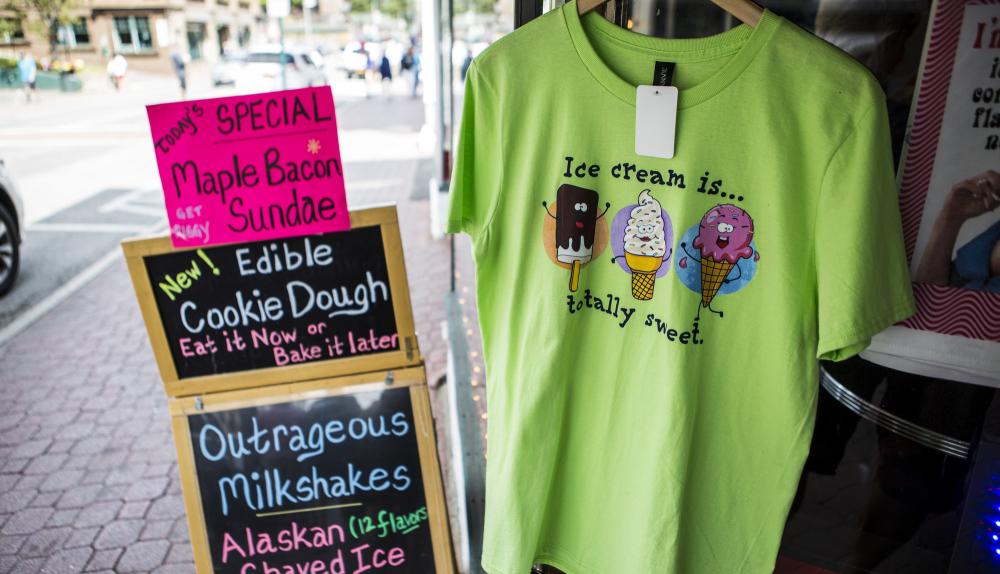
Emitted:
<point x="724" y="237"/>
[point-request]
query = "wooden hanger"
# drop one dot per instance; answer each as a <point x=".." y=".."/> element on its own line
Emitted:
<point x="744" y="10"/>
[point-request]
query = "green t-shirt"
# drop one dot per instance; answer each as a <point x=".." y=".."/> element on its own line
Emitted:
<point x="656" y="418"/>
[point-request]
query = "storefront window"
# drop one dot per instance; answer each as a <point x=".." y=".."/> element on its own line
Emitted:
<point x="223" y="35"/>
<point x="74" y="35"/>
<point x="902" y="472"/>
<point x="123" y="31"/>
<point x="145" y="36"/>
<point x="132" y="34"/>
<point x="244" y="36"/>
<point x="895" y="479"/>
<point x="11" y="31"/>
<point x="195" y="39"/>
<point x="80" y="32"/>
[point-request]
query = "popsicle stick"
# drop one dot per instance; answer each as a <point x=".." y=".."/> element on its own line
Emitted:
<point x="574" y="276"/>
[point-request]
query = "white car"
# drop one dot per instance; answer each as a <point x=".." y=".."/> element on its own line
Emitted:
<point x="261" y="72"/>
<point x="11" y="229"/>
<point x="225" y="71"/>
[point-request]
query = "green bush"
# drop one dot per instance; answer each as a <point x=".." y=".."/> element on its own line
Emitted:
<point x="7" y="62"/>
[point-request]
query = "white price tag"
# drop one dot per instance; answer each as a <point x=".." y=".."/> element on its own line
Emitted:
<point x="655" y="120"/>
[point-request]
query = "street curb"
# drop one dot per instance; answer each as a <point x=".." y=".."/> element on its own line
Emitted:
<point x="50" y="302"/>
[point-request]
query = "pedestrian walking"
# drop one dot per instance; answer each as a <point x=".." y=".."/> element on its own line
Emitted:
<point x="406" y="64"/>
<point x="369" y="68"/>
<point x="28" y="70"/>
<point x="385" y="70"/>
<point x="411" y="61"/>
<point x="117" y="68"/>
<point x="180" y="69"/>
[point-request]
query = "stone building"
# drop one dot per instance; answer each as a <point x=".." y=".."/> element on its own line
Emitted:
<point x="146" y="32"/>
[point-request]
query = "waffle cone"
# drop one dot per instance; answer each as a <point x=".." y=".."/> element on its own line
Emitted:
<point x="713" y="274"/>
<point x="642" y="284"/>
<point x="644" y="268"/>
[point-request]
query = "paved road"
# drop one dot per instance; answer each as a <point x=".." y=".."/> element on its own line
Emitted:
<point x="85" y="167"/>
<point x="65" y="244"/>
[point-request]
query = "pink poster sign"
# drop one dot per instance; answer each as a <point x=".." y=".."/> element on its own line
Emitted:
<point x="249" y="168"/>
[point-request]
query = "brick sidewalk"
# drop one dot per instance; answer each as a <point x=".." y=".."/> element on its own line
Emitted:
<point x="88" y="476"/>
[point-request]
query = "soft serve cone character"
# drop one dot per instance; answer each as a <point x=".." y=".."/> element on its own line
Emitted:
<point x="645" y="245"/>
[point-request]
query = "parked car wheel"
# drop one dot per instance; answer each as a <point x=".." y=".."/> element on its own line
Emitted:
<point x="10" y="252"/>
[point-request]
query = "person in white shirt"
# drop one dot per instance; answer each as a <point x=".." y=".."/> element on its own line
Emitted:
<point x="116" y="70"/>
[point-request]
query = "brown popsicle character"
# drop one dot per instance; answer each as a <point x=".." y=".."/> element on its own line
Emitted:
<point x="576" y="222"/>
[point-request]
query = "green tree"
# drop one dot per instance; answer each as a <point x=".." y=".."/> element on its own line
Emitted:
<point x="477" y="6"/>
<point x="296" y="5"/>
<point x="8" y="27"/>
<point x="49" y="16"/>
<point x="392" y="8"/>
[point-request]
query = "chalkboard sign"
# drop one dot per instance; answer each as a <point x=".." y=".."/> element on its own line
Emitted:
<point x="323" y="304"/>
<point x="314" y="477"/>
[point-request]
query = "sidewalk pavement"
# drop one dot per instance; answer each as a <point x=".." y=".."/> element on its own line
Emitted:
<point x="88" y="474"/>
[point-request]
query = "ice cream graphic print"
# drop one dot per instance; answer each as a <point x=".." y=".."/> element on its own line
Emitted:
<point x="580" y="233"/>
<point x="721" y="247"/>
<point x="645" y="234"/>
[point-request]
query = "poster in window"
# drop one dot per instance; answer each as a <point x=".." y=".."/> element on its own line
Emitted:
<point x="949" y="189"/>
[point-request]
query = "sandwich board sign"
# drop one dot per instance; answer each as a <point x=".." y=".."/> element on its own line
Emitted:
<point x="334" y="476"/>
<point x="299" y="404"/>
<point x="264" y="312"/>
<point x="283" y="333"/>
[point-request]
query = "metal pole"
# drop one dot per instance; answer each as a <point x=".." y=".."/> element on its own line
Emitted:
<point x="307" y="20"/>
<point x="281" y="39"/>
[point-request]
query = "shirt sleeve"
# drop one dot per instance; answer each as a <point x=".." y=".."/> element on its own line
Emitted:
<point x="476" y="179"/>
<point x="862" y="279"/>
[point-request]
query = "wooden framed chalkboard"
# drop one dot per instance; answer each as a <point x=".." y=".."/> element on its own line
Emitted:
<point x="333" y="476"/>
<point x="259" y="313"/>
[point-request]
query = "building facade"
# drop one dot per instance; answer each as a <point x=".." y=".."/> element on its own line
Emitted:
<point x="146" y="32"/>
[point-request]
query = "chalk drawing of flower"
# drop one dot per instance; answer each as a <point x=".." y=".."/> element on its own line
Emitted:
<point x="313" y="146"/>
